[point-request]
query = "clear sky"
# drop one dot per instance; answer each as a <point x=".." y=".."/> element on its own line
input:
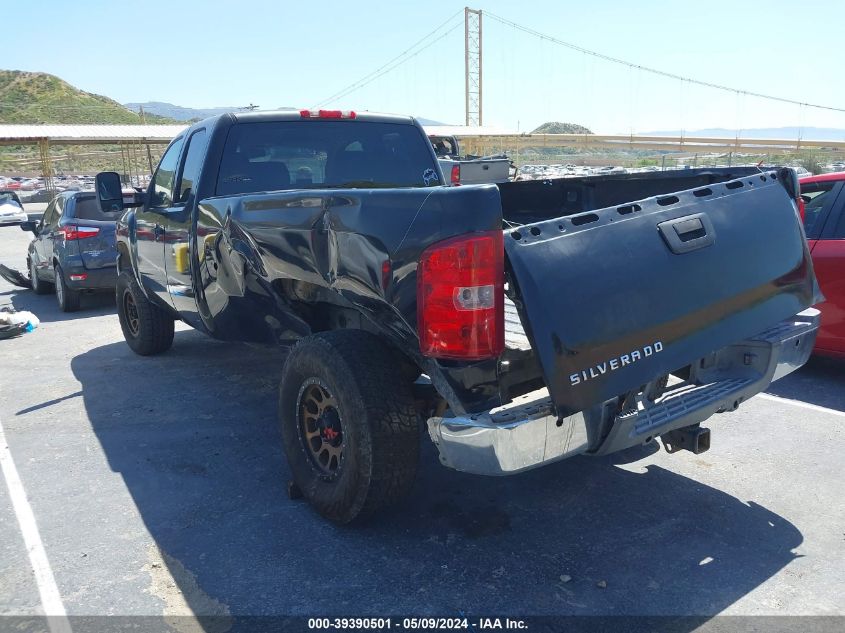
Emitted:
<point x="204" y="53"/>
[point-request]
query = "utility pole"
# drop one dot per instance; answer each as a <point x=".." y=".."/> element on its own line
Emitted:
<point x="472" y="65"/>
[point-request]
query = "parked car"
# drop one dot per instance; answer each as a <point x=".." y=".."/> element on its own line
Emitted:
<point x="823" y="199"/>
<point x="468" y="170"/>
<point x="42" y="195"/>
<point x="522" y="323"/>
<point x="11" y="209"/>
<point x="74" y="248"/>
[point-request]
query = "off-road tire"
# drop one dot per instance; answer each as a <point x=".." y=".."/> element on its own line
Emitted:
<point x="39" y="286"/>
<point x="68" y="298"/>
<point x="149" y="330"/>
<point x="380" y="425"/>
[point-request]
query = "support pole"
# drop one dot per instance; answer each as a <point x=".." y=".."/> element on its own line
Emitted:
<point x="46" y="164"/>
<point x="472" y="66"/>
<point x="124" y="175"/>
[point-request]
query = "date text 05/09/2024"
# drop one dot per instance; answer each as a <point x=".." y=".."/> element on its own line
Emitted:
<point x="412" y="624"/>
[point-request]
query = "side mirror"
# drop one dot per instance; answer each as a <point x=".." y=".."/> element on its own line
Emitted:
<point x="109" y="191"/>
<point x="30" y="226"/>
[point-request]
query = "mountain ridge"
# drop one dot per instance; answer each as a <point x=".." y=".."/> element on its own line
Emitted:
<point x="36" y="97"/>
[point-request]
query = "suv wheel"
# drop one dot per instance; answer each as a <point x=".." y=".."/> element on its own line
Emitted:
<point x="68" y="298"/>
<point x="349" y="426"/>
<point x="148" y="329"/>
<point x="38" y="286"/>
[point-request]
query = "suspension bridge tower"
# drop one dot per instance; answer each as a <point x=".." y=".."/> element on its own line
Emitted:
<point x="472" y="65"/>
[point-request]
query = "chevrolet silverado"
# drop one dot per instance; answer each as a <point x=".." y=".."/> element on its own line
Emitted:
<point x="519" y="323"/>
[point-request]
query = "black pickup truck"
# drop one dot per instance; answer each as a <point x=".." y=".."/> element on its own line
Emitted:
<point x="519" y="323"/>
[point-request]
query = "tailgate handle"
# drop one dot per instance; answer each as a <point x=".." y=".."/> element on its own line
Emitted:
<point x="689" y="233"/>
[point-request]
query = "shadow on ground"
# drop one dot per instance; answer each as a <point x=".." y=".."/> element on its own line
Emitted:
<point x="193" y="434"/>
<point x="47" y="310"/>
<point x="818" y="382"/>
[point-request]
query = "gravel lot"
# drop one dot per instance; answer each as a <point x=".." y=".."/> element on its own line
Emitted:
<point x="158" y="486"/>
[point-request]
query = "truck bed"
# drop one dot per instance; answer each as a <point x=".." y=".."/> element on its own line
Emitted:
<point x="515" y="337"/>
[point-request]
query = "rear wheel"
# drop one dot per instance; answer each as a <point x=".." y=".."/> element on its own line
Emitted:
<point x="38" y="286"/>
<point x="68" y="298"/>
<point x="148" y="329"/>
<point x="348" y="423"/>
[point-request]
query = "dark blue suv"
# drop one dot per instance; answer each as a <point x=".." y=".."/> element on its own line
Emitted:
<point x="74" y="248"/>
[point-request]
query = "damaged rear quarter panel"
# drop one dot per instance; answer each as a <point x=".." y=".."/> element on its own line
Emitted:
<point x="356" y="248"/>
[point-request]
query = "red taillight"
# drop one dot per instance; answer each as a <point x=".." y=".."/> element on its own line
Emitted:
<point x="327" y="114"/>
<point x="456" y="175"/>
<point x="71" y="232"/>
<point x="78" y="276"/>
<point x="460" y="297"/>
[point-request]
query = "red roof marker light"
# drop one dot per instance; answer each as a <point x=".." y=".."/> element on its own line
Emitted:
<point x="327" y="114"/>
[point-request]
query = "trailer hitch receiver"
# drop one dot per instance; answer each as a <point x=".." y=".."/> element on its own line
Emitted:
<point x="692" y="438"/>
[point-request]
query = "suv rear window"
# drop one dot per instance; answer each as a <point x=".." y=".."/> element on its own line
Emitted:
<point x="89" y="209"/>
<point x="273" y="155"/>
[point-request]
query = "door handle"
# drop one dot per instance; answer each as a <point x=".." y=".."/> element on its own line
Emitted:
<point x="689" y="233"/>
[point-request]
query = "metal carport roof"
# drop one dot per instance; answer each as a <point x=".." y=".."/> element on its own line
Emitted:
<point x="87" y="134"/>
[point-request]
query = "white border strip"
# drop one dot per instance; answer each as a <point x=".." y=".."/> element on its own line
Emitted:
<point x="803" y="405"/>
<point x="51" y="600"/>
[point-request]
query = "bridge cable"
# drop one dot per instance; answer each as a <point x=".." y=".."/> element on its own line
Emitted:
<point x="395" y="62"/>
<point x="655" y="71"/>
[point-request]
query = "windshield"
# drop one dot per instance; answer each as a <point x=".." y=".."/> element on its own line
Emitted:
<point x="815" y="195"/>
<point x="9" y="198"/>
<point x="273" y="155"/>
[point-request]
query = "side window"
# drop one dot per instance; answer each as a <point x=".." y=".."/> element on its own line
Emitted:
<point x="161" y="191"/>
<point x="50" y="214"/>
<point x="61" y="203"/>
<point x="817" y="197"/>
<point x="839" y="230"/>
<point x="191" y="167"/>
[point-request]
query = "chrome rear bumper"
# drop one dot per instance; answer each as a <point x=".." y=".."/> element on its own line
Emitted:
<point x="527" y="433"/>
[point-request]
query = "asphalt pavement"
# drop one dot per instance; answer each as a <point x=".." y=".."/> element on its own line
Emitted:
<point x="158" y="487"/>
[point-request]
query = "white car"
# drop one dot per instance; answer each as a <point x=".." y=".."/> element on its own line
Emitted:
<point x="11" y="209"/>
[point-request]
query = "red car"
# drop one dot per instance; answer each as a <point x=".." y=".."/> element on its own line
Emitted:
<point x="824" y="222"/>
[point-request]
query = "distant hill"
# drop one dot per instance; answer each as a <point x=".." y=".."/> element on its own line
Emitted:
<point x="808" y="133"/>
<point x="424" y="121"/>
<point x="28" y="97"/>
<point x="179" y="113"/>
<point x="556" y="127"/>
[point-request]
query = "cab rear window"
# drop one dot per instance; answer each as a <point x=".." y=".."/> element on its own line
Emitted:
<point x="274" y="155"/>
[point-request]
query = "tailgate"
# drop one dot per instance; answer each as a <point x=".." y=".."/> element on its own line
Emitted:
<point x="614" y="298"/>
<point x="481" y="171"/>
<point x="98" y="250"/>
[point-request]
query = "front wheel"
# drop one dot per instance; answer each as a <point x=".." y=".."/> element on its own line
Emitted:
<point x="349" y="426"/>
<point x="148" y="329"/>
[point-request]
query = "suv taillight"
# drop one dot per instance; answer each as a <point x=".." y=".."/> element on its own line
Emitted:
<point x="460" y="297"/>
<point x="71" y="232"/>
